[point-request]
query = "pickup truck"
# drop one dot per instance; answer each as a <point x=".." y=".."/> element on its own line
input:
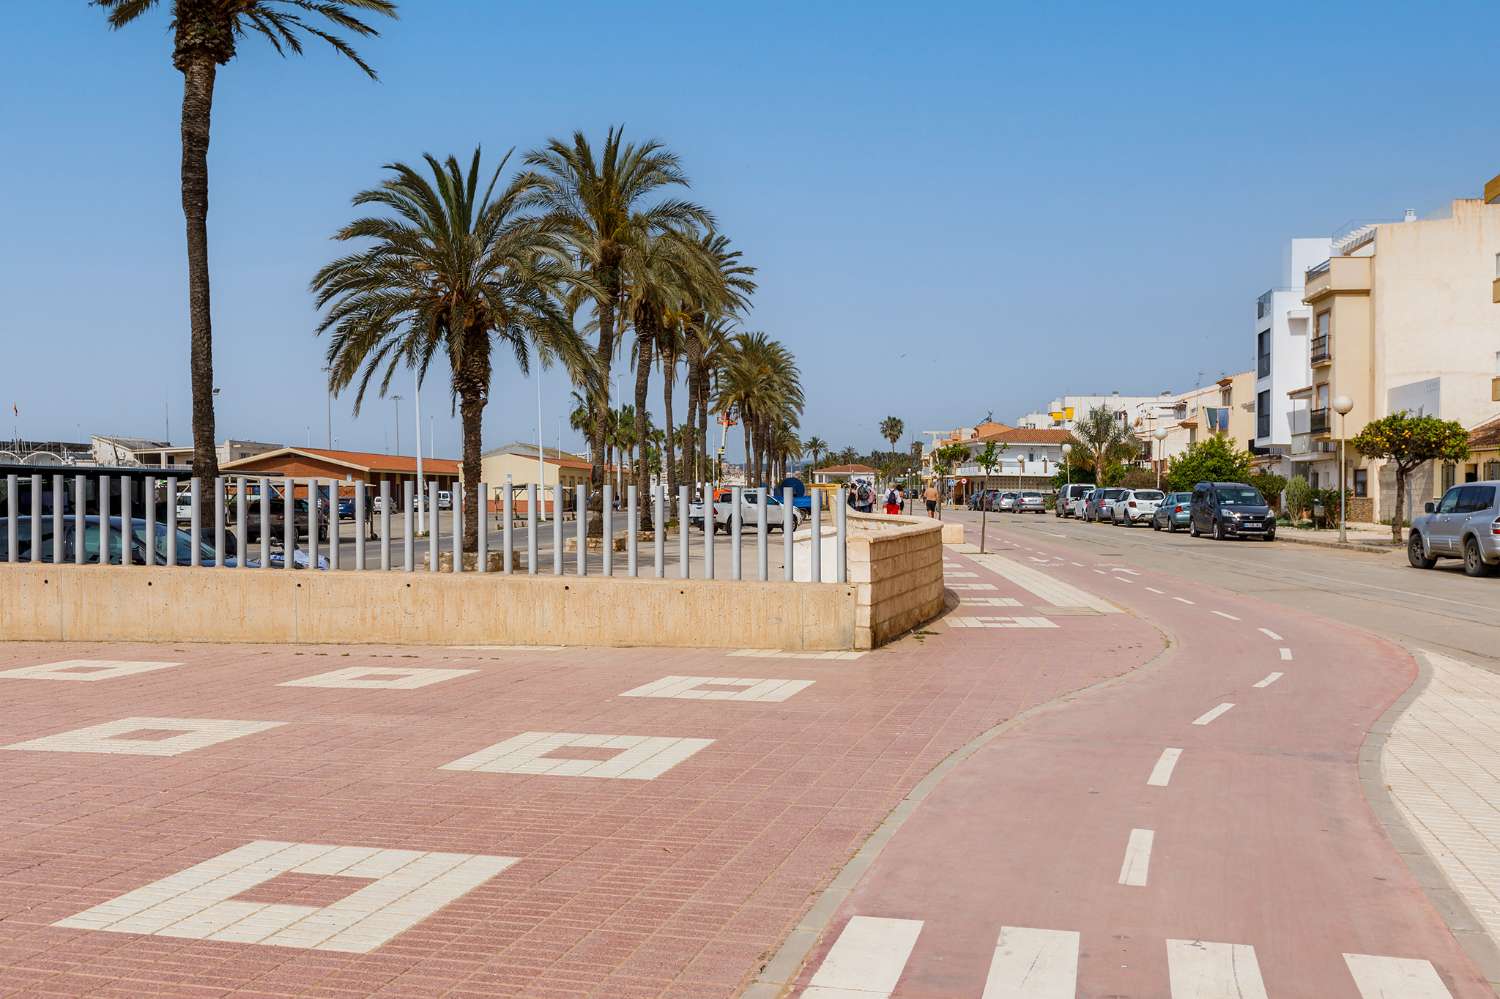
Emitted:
<point x="776" y="513"/>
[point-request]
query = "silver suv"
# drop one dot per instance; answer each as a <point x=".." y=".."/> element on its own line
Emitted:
<point x="1464" y="524"/>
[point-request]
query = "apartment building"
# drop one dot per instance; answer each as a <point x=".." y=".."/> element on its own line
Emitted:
<point x="1227" y="408"/>
<point x="1402" y="318"/>
<point x="1029" y="458"/>
<point x="1281" y="352"/>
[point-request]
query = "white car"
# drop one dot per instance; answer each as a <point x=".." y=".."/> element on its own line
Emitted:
<point x="776" y="512"/>
<point x="1079" y="502"/>
<point x="1136" y="506"/>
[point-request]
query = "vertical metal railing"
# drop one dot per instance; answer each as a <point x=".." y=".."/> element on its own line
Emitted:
<point x="359" y="525"/>
<point x="103" y="555"/>
<point x="385" y="525"/>
<point x="219" y="521"/>
<point x="456" y="514"/>
<point x="788" y="532"/>
<point x="12" y="518"/>
<point x="335" y="532"/>
<point x="815" y="551"/>
<point x="841" y="540"/>
<point x="288" y="523"/>
<point x="127" y="524"/>
<point x="632" y="531"/>
<point x="659" y="531"/>
<point x="508" y="511"/>
<point x="684" y="566"/>
<point x="710" y="535"/>
<point x="36" y="518"/>
<point x="59" y="522"/>
<point x="482" y="528"/>
<point x="608" y="499"/>
<point x="314" y="518"/>
<point x="762" y="535"/>
<point x="195" y="521"/>
<point x="736" y="499"/>
<point x="557" y="529"/>
<point x="408" y="522"/>
<point x="532" y="491"/>
<point x="434" y="526"/>
<point x="265" y="523"/>
<point x="241" y="523"/>
<point x="580" y="505"/>
<point x="80" y="503"/>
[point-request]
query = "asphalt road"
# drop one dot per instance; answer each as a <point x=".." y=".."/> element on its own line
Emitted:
<point x="1440" y="608"/>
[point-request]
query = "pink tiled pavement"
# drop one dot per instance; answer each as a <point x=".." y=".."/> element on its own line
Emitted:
<point x="678" y="887"/>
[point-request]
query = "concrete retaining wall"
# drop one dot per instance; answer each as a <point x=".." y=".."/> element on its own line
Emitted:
<point x="897" y="565"/>
<point x="139" y="603"/>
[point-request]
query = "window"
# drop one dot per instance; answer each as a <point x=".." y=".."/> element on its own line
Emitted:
<point x="1263" y="414"/>
<point x="1492" y="470"/>
<point x="1322" y="402"/>
<point x="1324" y="318"/>
<point x="1361" y="482"/>
<point x="1312" y="480"/>
<point x="1263" y="354"/>
<point x="1450" y="501"/>
<point x="1449" y="473"/>
<point x="1475" y="499"/>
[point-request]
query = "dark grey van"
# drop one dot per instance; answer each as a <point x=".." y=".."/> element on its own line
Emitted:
<point x="1231" y="510"/>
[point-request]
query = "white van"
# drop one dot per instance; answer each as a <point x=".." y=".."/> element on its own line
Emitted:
<point x="445" y="500"/>
<point x="1066" y="497"/>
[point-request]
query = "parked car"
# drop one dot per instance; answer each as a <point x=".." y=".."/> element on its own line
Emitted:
<point x="1464" y="524"/>
<point x="1174" y="511"/>
<point x="1136" y="506"/>
<point x="1005" y="502"/>
<point x="141" y="553"/>
<point x="346" y="508"/>
<point x="1030" y="502"/>
<point x="723" y="512"/>
<point x="1078" y="505"/>
<point x="1100" y="506"/>
<point x="1231" y="510"/>
<point x="976" y="499"/>
<point x="1066" y="497"/>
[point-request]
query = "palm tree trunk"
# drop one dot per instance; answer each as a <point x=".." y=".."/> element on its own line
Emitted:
<point x="471" y="414"/>
<point x="197" y="109"/>
<point x="642" y="383"/>
<point x="669" y="375"/>
<point x="604" y="357"/>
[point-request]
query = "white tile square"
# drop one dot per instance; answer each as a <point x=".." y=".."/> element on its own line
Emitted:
<point x="378" y="678"/>
<point x="989" y="601"/>
<point x="199" y="903"/>
<point x="643" y="758"/>
<point x="196" y="733"/>
<point x="692" y="688"/>
<point x="999" y="622"/>
<point x="83" y="669"/>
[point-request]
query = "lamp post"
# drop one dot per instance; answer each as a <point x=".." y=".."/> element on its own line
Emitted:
<point x="329" y="392"/>
<point x="1341" y="405"/>
<point x="1067" y="449"/>
<point x="1160" y="433"/>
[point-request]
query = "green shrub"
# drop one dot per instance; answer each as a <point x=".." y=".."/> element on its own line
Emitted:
<point x="1298" y="496"/>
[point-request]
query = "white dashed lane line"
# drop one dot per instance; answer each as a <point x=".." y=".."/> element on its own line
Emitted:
<point x="1229" y="617"/>
<point x="866" y="960"/>
<point x="1137" y="862"/>
<point x="1182" y="600"/>
<point x="1156" y="591"/>
<point x="1270" y="679"/>
<point x="1270" y="634"/>
<point x="1161" y="774"/>
<point x="1211" y="714"/>
<point x="1286" y="654"/>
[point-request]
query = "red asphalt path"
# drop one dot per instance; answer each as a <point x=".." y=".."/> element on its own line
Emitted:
<point x="1262" y="837"/>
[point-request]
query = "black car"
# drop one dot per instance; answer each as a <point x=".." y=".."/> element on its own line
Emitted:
<point x="1231" y="510"/>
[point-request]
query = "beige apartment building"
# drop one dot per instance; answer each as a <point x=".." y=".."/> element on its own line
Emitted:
<point x="1402" y="318"/>
<point x="1224" y="409"/>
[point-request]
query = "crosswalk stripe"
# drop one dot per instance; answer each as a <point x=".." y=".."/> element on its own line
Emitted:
<point x="1033" y="964"/>
<point x="866" y="960"/>
<point x="1137" y="858"/>
<point x="1198" y="969"/>
<point x="1054" y="591"/>
<point x="1395" y="978"/>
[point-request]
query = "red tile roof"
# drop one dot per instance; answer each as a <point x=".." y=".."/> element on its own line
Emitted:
<point x="847" y="470"/>
<point x="1027" y="435"/>
<point x="367" y="461"/>
<point x="1486" y="435"/>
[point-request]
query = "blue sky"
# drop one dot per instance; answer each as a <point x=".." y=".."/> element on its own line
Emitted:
<point x="957" y="209"/>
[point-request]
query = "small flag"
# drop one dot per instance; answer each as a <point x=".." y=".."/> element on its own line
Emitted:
<point x="15" y="409"/>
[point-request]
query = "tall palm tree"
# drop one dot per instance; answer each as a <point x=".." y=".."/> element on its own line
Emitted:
<point x="624" y="437"/>
<point x="451" y="269"/>
<point x="815" y="448"/>
<point x="1102" y="439"/>
<point x="206" y="36"/>
<point x="891" y="429"/>
<point x="760" y="382"/>
<point x="601" y="204"/>
<point x="706" y="329"/>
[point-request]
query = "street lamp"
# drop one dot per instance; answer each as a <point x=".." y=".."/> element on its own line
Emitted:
<point x="1160" y="433"/>
<point x="329" y="390"/>
<point x="1067" y="449"/>
<point x="1341" y="405"/>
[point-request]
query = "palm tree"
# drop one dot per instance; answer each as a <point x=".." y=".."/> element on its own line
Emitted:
<point x="705" y="331"/>
<point x="206" y="35"/>
<point x="624" y="437"/>
<point x="1102" y="440"/>
<point x="451" y="269"/>
<point x="784" y="445"/>
<point x="759" y="381"/>
<point x="815" y="447"/>
<point x="891" y="429"/>
<point x="599" y="205"/>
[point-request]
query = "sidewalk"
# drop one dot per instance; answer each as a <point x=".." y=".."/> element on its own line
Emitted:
<point x="1374" y="538"/>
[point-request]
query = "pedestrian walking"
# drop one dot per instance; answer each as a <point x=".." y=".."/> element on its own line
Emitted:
<point x="931" y="496"/>
<point x="892" y="502"/>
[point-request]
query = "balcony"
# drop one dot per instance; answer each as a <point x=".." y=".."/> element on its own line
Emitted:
<point x="1317" y="421"/>
<point x="1337" y="275"/>
<point x="1319" y="351"/>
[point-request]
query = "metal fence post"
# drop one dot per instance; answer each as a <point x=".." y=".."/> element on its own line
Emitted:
<point x="582" y="522"/>
<point x="557" y="529"/>
<point x="59" y="522"/>
<point x="735" y="500"/>
<point x="335" y="528"/>
<point x="13" y="518"/>
<point x="508" y="532"/>
<point x="359" y="525"/>
<point x="80" y="503"/>
<point x="659" y="535"/>
<point x="241" y="523"/>
<point x="265" y="523"/>
<point x="608" y="509"/>
<point x="104" y="520"/>
<point x="709" y="535"/>
<point x="127" y="525"/>
<point x="632" y="531"/>
<point x="482" y="541"/>
<point x="815" y="553"/>
<point x="841" y="540"/>
<point x="684" y="566"/>
<point x="531" y="494"/>
<point x="762" y="535"/>
<point x="434" y="526"/>
<point x="36" y="518"/>
<point x="788" y="529"/>
<point x="409" y="541"/>
<point x="288" y="523"/>
<point x="219" y="521"/>
<point x="456" y="514"/>
<point x="385" y="525"/>
<point x="314" y="524"/>
<point x="195" y="521"/>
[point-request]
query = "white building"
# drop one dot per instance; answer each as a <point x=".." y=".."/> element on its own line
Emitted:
<point x="1281" y="351"/>
<point x="1064" y="412"/>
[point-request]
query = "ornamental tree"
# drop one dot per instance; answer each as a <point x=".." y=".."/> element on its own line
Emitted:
<point x="988" y="460"/>
<point x="1410" y="441"/>
<point x="1211" y="460"/>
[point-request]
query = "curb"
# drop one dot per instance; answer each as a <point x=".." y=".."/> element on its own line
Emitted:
<point x="1368" y="547"/>
<point x="1459" y="918"/>
<point x="781" y="971"/>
